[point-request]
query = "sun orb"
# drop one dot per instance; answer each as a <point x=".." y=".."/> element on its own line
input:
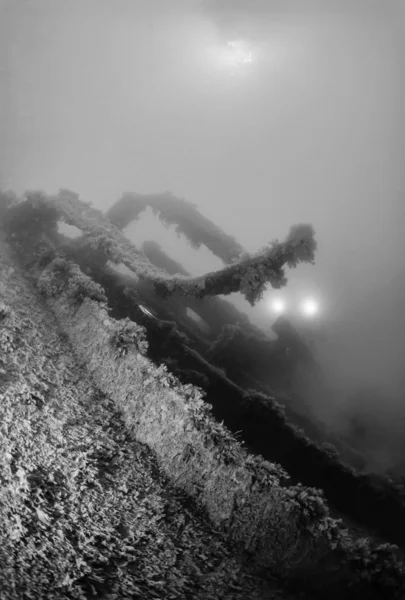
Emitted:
<point x="235" y="55"/>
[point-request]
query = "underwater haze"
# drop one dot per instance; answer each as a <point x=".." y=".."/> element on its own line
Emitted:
<point x="263" y="114"/>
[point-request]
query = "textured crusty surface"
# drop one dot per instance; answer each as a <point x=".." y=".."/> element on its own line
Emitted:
<point x="85" y="511"/>
<point x="86" y="506"/>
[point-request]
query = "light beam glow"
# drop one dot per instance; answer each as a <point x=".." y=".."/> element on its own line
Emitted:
<point x="309" y="307"/>
<point x="278" y="306"/>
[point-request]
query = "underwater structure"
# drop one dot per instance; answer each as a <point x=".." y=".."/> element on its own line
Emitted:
<point x="102" y="370"/>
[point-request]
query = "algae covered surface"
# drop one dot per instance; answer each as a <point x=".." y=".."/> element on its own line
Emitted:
<point x="93" y="432"/>
<point x="85" y="511"/>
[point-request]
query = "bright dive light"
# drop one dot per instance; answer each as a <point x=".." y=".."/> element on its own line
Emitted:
<point x="278" y="306"/>
<point x="309" y="307"/>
